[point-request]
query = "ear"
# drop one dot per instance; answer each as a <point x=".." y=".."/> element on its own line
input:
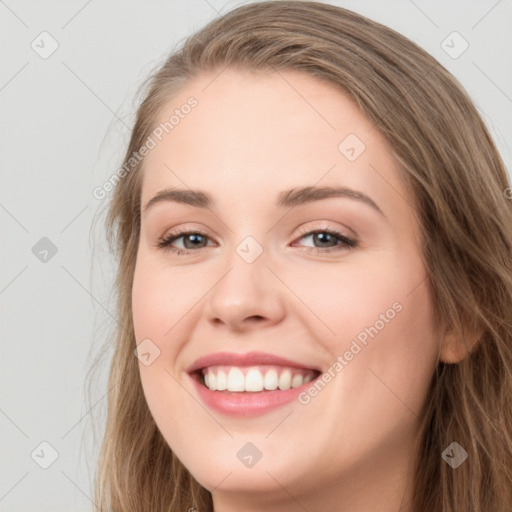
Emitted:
<point x="454" y="349"/>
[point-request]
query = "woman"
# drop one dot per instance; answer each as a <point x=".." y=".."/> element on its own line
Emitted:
<point x="257" y="368"/>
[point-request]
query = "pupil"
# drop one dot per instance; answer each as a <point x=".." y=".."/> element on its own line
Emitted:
<point x="190" y="237"/>
<point x="322" y="235"/>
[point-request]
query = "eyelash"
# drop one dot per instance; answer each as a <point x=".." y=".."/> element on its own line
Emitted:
<point x="346" y="244"/>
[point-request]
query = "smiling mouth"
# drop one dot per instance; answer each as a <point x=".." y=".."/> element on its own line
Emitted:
<point x="254" y="379"/>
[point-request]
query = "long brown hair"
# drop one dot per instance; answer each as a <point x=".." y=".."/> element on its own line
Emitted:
<point x="458" y="179"/>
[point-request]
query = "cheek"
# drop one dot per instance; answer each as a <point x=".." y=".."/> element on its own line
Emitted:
<point x="379" y="319"/>
<point x="408" y="351"/>
<point x="340" y="303"/>
<point x="383" y="353"/>
<point x="161" y="306"/>
<point x="160" y="299"/>
<point x="388" y="344"/>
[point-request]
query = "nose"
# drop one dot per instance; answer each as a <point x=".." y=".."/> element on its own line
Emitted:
<point x="247" y="296"/>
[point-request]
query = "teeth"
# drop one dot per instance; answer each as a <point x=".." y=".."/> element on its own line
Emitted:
<point x="222" y="381"/>
<point x="236" y="380"/>
<point x="297" y="381"/>
<point x="271" y="381"/>
<point x="212" y="381"/>
<point x="285" y="380"/>
<point x="307" y="378"/>
<point x="255" y="379"/>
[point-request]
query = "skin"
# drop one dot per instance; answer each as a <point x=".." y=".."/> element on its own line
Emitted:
<point x="252" y="135"/>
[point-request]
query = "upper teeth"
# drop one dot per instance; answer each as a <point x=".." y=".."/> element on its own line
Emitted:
<point x="233" y="378"/>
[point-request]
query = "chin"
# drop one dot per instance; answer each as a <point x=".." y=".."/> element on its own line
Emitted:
<point x="223" y="470"/>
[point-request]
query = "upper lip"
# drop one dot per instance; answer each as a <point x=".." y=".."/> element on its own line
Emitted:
<point x="244" y="359"/>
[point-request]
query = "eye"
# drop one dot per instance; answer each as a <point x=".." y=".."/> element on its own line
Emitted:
<point x="330" y="240"/>
<point x="191" y="238"/>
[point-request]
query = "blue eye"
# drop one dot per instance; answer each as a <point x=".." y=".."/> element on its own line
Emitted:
<point x="328" y="236"/>
<point x="188" y="236"/>
<point x="321" y="236"/>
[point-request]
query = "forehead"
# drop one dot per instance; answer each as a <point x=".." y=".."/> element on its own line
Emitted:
<point x="253" y="133"/>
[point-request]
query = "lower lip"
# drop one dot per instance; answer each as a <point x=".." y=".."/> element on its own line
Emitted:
<point x="247" y="403"/>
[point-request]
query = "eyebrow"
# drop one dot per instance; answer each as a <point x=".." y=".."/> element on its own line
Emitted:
<point x="286" y="199"/>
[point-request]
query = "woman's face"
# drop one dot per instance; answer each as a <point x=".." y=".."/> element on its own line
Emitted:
<point x="325" y="285"/>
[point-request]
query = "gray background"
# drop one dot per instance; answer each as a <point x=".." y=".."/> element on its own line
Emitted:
<point x="64" y="123"/>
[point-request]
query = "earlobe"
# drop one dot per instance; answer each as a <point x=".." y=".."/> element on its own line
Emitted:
<point x="454" y="349"/>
